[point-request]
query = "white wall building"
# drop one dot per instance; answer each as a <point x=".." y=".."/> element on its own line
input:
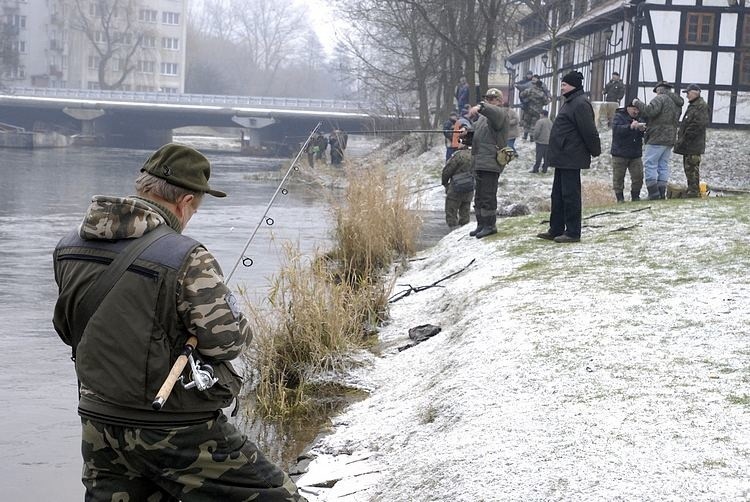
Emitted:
<point x="706" y="42"/>
<point x="57" y="43"/>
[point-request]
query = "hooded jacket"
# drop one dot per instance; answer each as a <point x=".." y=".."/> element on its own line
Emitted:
<point x="574" y="138"/>
<point x="662" y="115"/>
<point x="691" y="138"/>
<point x="174" y="289"/>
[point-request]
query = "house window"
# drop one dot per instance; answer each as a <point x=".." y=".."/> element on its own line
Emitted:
<point x="99" y="37"/>
<point x="93" y="62"/>
<point x="144" y="88"/>
<point x="146" y="66"/>
<point x="170" y="43"/>
<point x="147" y="15"/>
<point x="170" y="17"/>
<point x="18" y="21"/>
<point x="746" y="31"/>
<point x="699" y="29"/>
<point x="92" y="85"/>
<point x="745" y="68"/>
<point x="169" y="68"/>
<point x="169" y="90"/>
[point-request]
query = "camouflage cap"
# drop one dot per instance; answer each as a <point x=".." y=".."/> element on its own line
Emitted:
<point x="493" y="93"/>
<point x="182" y="166"/>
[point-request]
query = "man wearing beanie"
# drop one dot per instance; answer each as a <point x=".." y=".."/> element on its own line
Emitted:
<point x="662" y="115"/>
<point x="573" y="141"/>
<point x="132" y="290"/>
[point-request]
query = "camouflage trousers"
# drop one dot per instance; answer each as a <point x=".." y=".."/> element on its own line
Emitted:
<point x="529" y="118"/>
<point x="692" y="164"/>
<point x="458" y="208"/>
<point x="197" y="463"/>
<point x="621" y="165"/>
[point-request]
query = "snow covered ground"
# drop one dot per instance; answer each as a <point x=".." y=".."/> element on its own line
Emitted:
<point x="613" y="369"/>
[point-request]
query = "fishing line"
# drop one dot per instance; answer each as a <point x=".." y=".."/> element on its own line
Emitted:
<point x="247" y="261"/>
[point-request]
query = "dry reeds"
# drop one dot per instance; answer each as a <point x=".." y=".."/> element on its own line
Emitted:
<point x="323" y="307"/>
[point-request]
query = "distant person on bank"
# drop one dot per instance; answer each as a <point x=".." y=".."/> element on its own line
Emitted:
<point x="626" y="150"/>
<point x="514" y="128"/>
<point x="126" y="330"/>
<point x="337" y="139"/>
<point x="691" y="138"/>
<point x="458" y="180"/>
<point x="573" y="141"/>
<point x="541" y="132"/>
<point x="662" y="116"/>
<point x="449" y="127"/>
<point x="490" y="134"/>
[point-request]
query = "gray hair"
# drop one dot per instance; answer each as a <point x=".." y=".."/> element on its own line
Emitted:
<point x="150" y="184"/>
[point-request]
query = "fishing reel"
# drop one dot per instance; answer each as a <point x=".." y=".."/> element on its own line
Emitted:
<point x="203" y="376"/>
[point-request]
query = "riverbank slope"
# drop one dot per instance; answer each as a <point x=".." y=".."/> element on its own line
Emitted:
<point x="613" y="369"/>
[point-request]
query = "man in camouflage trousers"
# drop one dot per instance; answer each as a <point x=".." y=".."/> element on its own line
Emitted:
<point x="691" y="138"/>
<point x="535" y="99"/>
<point x="458" y="180"/>
<point x="126" y="339"/>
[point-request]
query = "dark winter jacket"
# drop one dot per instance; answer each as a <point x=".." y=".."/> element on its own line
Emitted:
<point x="574" y="138"/>
<point x="691" y="138"/>
<point x="662" y="115"/>
<point x="626" y="142"/>
<point x="490" y="131"/>
<point x="614" y="91"/>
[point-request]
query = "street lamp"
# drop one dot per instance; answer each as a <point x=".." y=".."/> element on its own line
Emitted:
<point x="608" y="36"/>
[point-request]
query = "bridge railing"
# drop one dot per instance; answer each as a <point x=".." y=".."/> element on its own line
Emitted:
<point x="191" y="99"/>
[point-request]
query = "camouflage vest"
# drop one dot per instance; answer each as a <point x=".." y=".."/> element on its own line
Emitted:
<point x="130" y="343"/>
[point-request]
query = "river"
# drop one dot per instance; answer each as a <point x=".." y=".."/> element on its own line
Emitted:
<point x="43" y="195"/>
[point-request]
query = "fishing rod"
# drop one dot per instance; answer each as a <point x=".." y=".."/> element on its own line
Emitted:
<point x="264" y="217"/>
<point x="202" y="374"/>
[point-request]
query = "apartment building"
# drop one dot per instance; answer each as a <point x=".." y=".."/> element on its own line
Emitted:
<point x="130" y="45"/>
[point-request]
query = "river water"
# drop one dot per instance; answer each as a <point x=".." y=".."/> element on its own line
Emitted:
<point x="43" y="195"/>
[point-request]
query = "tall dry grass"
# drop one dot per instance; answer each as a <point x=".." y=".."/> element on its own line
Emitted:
<point x="323" y="307"/>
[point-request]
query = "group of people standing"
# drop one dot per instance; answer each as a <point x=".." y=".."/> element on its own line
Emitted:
<point x="568" y="144"/>
<point x="318" y="144"/>
<point x="658" y="126"/>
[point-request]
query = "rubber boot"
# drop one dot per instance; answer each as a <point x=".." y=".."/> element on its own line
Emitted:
<point x="474" y="232"/>
<point x="653" y="192"/>
<point x="619" y="196"/>
<point x="662" y="190"/>
<point x="488" y="227"/>
<point x="635" y="196"/>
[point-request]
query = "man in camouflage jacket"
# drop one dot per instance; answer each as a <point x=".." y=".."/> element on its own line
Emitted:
<point x="691" y="138"/>
<point x="125" y="345"/>
<point x="662" y="115"/>
<point x="535" y="99"/>
<point x="458" y="198"/>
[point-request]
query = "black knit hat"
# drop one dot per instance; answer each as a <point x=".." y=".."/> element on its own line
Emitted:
<point x="181" y="166"/>
<point x="574" y="78"/>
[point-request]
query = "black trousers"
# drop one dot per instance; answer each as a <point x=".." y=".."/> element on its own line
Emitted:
<point x="485" y="197"/>
<point x="565" y="216"/>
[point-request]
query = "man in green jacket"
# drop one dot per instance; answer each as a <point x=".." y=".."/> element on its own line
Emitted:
<point x="126" y="338"/>
<point x="662" y="115"/>
<point x="691" y="138"/>
<point x="490" y="134"/>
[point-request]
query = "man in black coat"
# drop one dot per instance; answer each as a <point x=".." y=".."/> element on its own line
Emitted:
<point x="573" y="141"/>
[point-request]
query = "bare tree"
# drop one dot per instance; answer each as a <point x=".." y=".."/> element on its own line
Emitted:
<point x="112" y="30"/>
<point x="8" y="49"/>
<point x="271" y="31"/>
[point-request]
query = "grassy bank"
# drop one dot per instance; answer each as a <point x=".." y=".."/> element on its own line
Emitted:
<point x="323" y="307"/>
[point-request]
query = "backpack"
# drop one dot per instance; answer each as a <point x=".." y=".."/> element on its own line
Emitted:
<point x="462" y="182"/>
